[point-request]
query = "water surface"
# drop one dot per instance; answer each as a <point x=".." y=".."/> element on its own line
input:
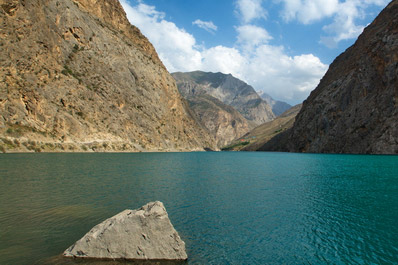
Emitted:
<point x="229" y="207"/>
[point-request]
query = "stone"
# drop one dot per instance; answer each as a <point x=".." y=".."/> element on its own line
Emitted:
<point x="142" y="234"/>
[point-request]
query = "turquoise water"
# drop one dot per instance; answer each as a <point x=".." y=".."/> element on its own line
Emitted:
<point x="229" y="207"/>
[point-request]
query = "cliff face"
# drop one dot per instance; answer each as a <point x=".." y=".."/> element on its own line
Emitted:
<point x="225" y="105"/>
<point x="76" y="76"/>
<point x="354" y="109"/>
<point x="222" y="121"/>
<point x="229" y="90"/>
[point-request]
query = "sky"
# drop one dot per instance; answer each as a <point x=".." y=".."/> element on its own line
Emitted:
<point x="280" y="47"/>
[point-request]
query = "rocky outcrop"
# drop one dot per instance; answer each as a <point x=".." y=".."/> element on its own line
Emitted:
<point x="143" y="234"/>
<point x="76" y="76"/>
<point x="354" y="109"/>
<point x="221" y="120"/>
<point x="260" y="135"/>
<point x="278" y="107"/>
<point x="229" y="90"/>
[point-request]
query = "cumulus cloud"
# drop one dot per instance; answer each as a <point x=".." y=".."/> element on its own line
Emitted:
<point x="250" y="36"/>
<point x="249" y="10"/>
<point x="252" y="59"/>
<point x="206" y="25"/>
<point x="308" y="11"/>
<point x="344" y="15"/>
<point x="289" y="78"/>
<point x="176" y="47"/>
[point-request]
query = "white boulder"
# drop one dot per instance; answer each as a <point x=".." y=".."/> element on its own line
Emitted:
<point x="142" y="234"/>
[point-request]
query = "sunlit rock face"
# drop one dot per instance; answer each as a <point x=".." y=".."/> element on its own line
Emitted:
<point x="76" y="76"/>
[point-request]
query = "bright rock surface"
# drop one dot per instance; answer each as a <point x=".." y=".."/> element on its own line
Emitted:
<point x="145" y="233"/>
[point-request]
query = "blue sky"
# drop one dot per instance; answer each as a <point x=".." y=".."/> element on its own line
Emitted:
<point x="281" y="47"/>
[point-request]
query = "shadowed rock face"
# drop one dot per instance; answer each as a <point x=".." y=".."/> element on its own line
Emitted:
<point x="76" y="76"/>
<point x="143" y="234"/>
<point x="354" y="109"/>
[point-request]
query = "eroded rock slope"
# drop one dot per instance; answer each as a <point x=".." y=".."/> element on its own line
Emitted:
<point x="76" y="76"/>
<point x="227" y="106"/>
<point x="354" y="109"/>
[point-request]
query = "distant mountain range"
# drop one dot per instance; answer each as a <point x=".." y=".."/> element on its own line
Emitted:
<point x="226" y="106"/>
<point x="278" y="107"/>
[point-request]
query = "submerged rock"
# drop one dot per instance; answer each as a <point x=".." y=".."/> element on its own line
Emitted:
<point x="142" y="234"/>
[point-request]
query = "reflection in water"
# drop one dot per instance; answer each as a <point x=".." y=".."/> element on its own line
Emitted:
<point x="60" y="260"/>
<point x="229" y="208"/>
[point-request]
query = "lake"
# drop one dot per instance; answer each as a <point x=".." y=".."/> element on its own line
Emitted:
<point x="228" y="207"/>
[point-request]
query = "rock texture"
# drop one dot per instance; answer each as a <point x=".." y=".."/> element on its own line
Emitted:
<point x="260" y="135"/>
<point x="354" y="109"/>
<point x="143" y="234"/>
<point x="225" y="105"/>
<point x="229" y="90"/>
<point x="278" y="107"/>
<point x="76" y="76"/>
<point x="221" y="120"/>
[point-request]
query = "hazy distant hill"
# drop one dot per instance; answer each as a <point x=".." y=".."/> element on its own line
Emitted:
<point x="354" y="109"/>
<point x="278" y="107"/>
<point x="76" y="76"/>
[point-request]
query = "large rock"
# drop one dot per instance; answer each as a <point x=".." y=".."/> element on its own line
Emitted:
<point x="143" y="234"/>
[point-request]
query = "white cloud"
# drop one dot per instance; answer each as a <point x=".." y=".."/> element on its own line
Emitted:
<point x="225" y="60"/>
<point x="176" y="47"/>
<point x="344" y="14"/>
<point x="206" y="25"/>
<point x="249" y="10"/>
<point x="252" y="59"/>
<point x="289" y="78"/>
<point x="308" y="11"/>
<point x="250" y="36"/>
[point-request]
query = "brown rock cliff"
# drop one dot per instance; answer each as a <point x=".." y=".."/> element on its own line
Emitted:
<point x="76" y="76"/>
<point x="354" y="109"/>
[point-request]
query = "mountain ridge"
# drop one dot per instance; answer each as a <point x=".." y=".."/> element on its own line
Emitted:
<point x="229" y="90"/>
<point x="354" y="109"/>
<point x="278" y="107"/>
<point x="225" y="105"/>
<point x="78" y="77"/>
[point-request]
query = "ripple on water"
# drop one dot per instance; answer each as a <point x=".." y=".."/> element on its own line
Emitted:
<point x="230" y="208"/>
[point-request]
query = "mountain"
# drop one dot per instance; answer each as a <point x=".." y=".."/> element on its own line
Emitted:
<point x="77" y="76"/>
<point x="260" y="135"/>
<point x="354" y="109"/>
<point x="221" y="120"/>
<point x="225" y="105"/>
<point x="229" y="90"/>
<point x="278" y="107"/>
